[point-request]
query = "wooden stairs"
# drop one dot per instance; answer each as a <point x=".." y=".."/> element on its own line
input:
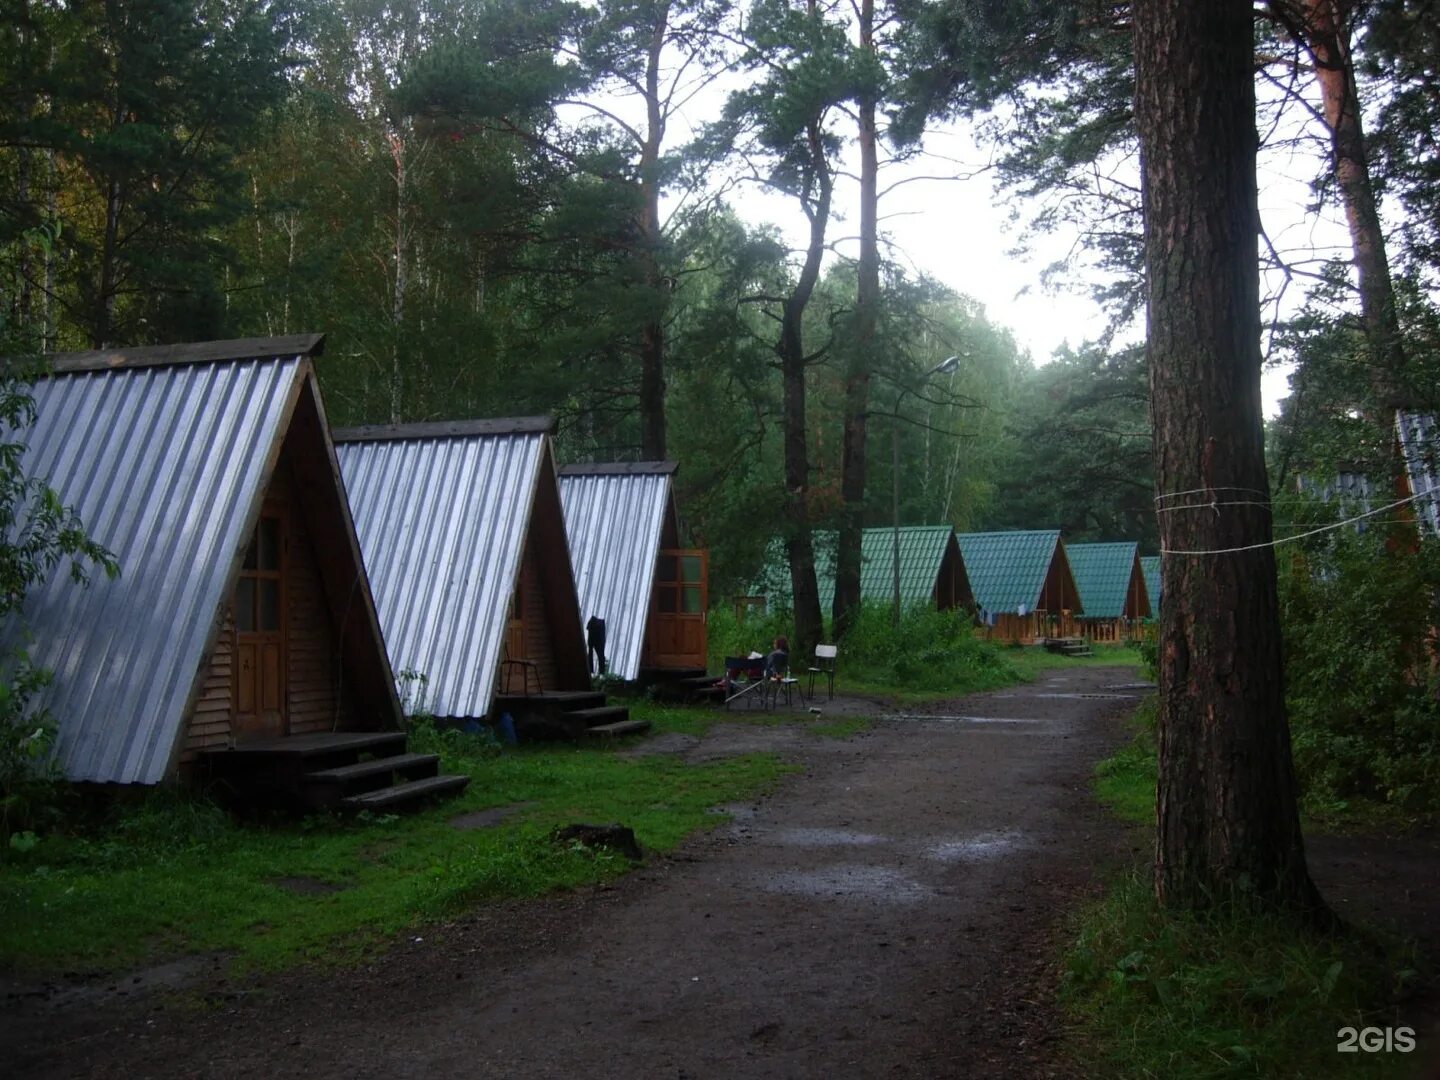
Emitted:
<point x="343" y="770"/>
<point x="1068" y="646"/>
<point x="567" y="714"/>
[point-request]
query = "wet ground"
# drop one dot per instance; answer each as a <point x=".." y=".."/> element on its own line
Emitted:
<point x="891" y="911"/>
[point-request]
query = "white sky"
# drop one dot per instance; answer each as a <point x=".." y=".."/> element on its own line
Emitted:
<point x="959" y="232"/>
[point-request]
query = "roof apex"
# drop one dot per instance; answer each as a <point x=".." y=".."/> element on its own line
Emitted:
<point x="198" y="352"/>
<point x="447" y="429"/>
<point x="620" y="468"/>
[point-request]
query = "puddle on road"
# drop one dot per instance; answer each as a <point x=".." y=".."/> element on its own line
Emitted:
<point x="849" y="880"/>
<point x="975" y="719"/>
<point x="992" y="845"/>
<point x="804" y="837"/>
<point x="1120" y="697"/>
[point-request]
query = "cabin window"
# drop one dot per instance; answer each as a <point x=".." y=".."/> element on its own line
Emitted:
<point x="257" y="595"/>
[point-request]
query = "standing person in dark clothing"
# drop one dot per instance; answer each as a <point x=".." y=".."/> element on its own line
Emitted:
<point x="595" y="639"/>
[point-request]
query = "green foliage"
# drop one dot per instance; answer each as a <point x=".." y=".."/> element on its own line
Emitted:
<point x="1234" y="993"/>
<point x="929" y="651"/>
<point x="1361" y="684"/>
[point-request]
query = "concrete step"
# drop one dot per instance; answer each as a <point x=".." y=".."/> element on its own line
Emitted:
<point x="387" y="798"/>
<point x="615" y="730"/>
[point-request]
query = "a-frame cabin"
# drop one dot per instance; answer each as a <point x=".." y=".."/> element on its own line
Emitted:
<point x="632" y="573"/>
<point x="241" y="624"/>
<point x="1024" y="590"/>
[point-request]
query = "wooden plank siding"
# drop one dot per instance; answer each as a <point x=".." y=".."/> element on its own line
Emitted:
<point x="209" y="724"/>
<point x="535" y="619"/>
<point x="313" y="674"/>
<point x="311" y="680"/>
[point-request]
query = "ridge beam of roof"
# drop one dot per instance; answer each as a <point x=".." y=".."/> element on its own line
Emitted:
<point x="201" y="352"/>
<point x="620" y="468"/>
<point x="447" y="429"/>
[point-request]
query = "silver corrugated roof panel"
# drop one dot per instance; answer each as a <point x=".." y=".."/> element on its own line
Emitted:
<point x="1420" y="443"/>
<point x="164" y="466"/>
<point x="442" y="523"/>
<point x="614" y="523"/>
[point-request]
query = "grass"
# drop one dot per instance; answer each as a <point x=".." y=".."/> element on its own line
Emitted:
<point x="1125" y="782"/>
<point x="167" y="880"/>
<point x="1153" y="993"/>
<point x="1149" y="993"/>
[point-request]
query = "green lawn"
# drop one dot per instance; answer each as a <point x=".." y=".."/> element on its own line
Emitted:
<point x="173" y="877"/>
<point x="1017" y="665"/>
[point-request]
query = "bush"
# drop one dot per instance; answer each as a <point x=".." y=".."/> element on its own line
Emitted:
<point x="931" y="650"/>
<point x="1361" y="686"/>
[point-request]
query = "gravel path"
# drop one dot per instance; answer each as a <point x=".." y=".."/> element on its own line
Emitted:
<point x="891" y="911"/>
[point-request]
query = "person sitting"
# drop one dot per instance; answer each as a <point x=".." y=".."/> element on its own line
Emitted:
<point x="778" y="662"/>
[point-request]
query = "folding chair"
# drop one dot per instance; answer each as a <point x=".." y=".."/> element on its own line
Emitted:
<point x="824" y="665"/>
<point x="753" y="671"/>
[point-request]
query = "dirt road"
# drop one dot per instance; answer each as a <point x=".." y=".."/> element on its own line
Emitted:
<point x="888" y="913"/>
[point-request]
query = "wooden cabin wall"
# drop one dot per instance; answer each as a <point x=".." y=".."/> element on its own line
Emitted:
<point x="209" y="724"/>
<point x="310" y="648"/>
<point x="311" y="673"/>
<point x="536" y="619"/>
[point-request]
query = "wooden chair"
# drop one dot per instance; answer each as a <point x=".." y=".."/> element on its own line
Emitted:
<point x="825" y="656"/>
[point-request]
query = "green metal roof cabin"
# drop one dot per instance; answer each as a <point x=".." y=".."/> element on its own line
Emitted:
<point x="1018" y="577"/>
<point x="931" y="568"/>
<point x="1150" y="567"/>
<point x="1110" y="580"/>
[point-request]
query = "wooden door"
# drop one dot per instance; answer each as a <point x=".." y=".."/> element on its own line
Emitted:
<point x="260" y="692"/>
<point x="675" y="636"/>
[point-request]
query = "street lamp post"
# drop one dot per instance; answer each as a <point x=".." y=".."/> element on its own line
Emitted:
<point x="950" y="363"/>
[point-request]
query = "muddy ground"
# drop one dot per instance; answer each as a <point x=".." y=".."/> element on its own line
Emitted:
<point x="892" y="911"/>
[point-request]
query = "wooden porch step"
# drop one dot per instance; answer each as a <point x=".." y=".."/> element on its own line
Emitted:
<point x="549" y="701"/>
<point x="400" y="794"/>
<point x="622" y="727"/>
<point x="406" y="763"/>
<point x="320" y="745"/>
<point x="592" y="718"/>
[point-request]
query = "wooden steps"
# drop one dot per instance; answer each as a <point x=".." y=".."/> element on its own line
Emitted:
<point x="570" y="715"/>
<point x="617" y="729"/>
<point x="388" y="798"/>
<point x="344" y="769"/>
<point x="1068" y="646"/>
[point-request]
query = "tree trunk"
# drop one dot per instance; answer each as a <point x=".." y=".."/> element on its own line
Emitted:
<point x="1325" y="25"/>
<point x="1228" y="827"/>
<point x="396" y="140"/>
<point x="799" y="543"/>
<point x="652" y="334"/>
<point x="857" y="375"/>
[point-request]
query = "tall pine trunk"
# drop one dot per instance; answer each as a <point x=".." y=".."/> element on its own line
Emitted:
<point x="1228" y="826"/>
<point x="799" y="542"/>
<point x="857" y="374"/>
<point x="652" y="333"/>
<point x="1324" y="28"/>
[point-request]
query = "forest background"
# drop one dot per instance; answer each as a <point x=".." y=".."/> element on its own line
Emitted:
<point x="492" y="207"/>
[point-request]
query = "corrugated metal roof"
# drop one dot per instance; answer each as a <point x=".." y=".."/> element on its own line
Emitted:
<point x="442" y="523"/>
<point x="614" y="522"/>
<point x="1007" y="569"/>
<point x="1102" y="576"/>
<point x="1150" y="567"/>
<point x="164" y="466"/>
<point x="1420" y="444"/>
<point x="922" y="553"/>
